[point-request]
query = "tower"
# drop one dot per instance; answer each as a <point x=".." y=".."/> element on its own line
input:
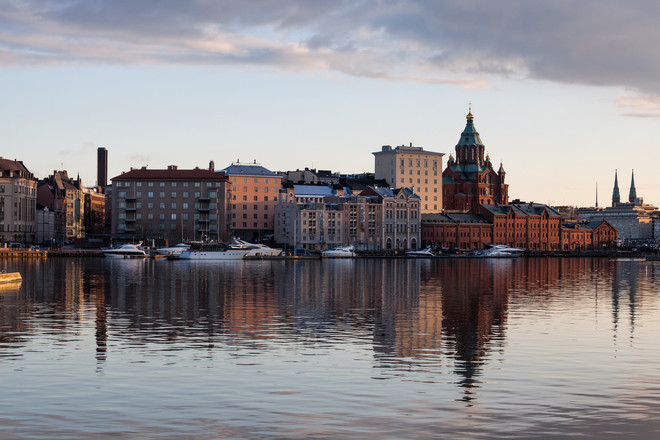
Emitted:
<point x="470" y="179"/>
<point x="616" y="197"/>
<point x="102" y="167"/>
<point x="632" y="195"/>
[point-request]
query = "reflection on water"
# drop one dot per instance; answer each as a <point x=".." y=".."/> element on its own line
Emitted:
<point x="474" y="348"/>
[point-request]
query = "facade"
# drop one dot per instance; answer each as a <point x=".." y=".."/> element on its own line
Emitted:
<point x="415" y="168"/>
<point x="173" y="204"/>
<point x="254" y="195"/>
<point x="470" y="179"/>
<point x="18" y="203"/>
<point x="528" y="226"/>
<point x="64" y="196"/>
<point x="374" y="220"/>
<point x="45" y="226"/>
<point x="594" y="235"/>
<point x="94" y="218"/>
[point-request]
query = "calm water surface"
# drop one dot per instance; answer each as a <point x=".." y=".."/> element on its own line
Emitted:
<point x="527" y="348"/>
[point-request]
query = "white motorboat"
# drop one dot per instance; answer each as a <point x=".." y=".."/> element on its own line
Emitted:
<point x="255" y="249"/>
<point x="173" y="250"/>
<point x="339" y="252"/>
<point x="126" y="251"/>
<point x="219" y="251"/>
<point x="421" y="253"/>
<point x="498" y="251"/>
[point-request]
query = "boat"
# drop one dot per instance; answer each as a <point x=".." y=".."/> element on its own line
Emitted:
<point x="126" y="251"/>
<point x="339" y="252"/>
<point x="214" y="251"/>
<point x="498" y="251"/>
<point x="173" y="250"/>
<point x="255" y="249"/>
<point x="421" y="253"/>
<point x="10" y="277"/>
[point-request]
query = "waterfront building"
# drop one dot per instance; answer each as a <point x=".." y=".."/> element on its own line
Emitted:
<point x="173" y="204"/>
<point x="415" y="168"/>
<point x="94" y="218"/>
<point x="633" y="219"/>
<point x="18" y="200"/>
<point x="529" y="226"/>
<point x="64" y="196"/>
<point x="593" y="235"/>
<point x="45" y="226"/>
<point x="470" y="179"/>
<point x="254" y="195"/>
<point x="375" y="219"/>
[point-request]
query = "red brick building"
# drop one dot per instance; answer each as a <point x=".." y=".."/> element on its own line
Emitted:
<point x="470" y="179"/>
<point x="529" y="226"/>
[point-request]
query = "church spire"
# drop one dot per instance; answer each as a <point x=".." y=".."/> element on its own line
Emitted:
<point x="616" y="197"/>
<point x="632" y="196"/>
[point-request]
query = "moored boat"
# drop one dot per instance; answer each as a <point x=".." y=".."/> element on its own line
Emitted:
<point x="498" y="251"/>
<point x="421" y="253"/>
<point x="339" y="252"/>
<point x="255" y="249"/>
<point x="215" y="251"/>
<point x="126" y="251"/>
<point x="173" y="250"/>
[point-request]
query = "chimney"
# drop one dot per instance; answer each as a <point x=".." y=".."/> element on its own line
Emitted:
<point x="212" y="166"/>
<point x="102" y="167"/>
<point x="171" y="167"/>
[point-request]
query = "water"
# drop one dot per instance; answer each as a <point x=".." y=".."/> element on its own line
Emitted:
<point x="527" y="348"/>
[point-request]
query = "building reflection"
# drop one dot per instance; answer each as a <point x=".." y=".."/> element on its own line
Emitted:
<point x="446" y="319"/>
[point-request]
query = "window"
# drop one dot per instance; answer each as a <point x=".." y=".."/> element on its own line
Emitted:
<point x="161" y="205"/>
<point x="185" y="194"/>
<point x="162" y="184"/>
<point x="162" y="194"/>
<point x="173" y="184"/>
<point x="150" y="195"/>
<point x="173" y="217"/>
<point x="173" y="206"/>
<point x="173" y="194"/>
<point x="185" y="205"/>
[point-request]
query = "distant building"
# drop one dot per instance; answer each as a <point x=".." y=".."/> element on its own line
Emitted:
<point x="309" y="176"/>
<point x="64" y="196"/>
<point x="254" y="195"/>
<point x="375" y="219"/>
<point x="18" y="198"/>
<point x="633" y="219"/>
<point x="94" y="218"/>
<point x="173" y="204"/>
<point x="470" y="179"/>
<point x="415" y="168"/>
<point x="529" y="226"/>
<point x="45" y="226"/>
<point x="102" y="168"/>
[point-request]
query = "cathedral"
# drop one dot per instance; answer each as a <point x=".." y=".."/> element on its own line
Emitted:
<point x="469" y="179"/>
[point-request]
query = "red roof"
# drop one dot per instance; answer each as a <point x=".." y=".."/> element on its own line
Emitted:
<point x="171" y="174"/>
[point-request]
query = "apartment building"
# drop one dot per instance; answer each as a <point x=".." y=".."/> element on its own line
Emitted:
<point x="375" y="219"/>
<point x="18" y="195"/>
<point x="173" y="204"/>
<point x="254" y="194"/>
<point x="415" y="168"/>
<point x="64" y="196"/>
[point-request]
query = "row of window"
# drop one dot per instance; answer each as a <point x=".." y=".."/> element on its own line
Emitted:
<point x="173" y="205"/>
<point x="161" y="194"/>
<point x="171" y="184"/>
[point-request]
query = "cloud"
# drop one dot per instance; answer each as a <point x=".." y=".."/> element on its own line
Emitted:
<point x="463" y="43"/>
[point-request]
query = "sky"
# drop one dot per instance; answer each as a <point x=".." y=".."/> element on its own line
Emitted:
<point x="563" y="93"/>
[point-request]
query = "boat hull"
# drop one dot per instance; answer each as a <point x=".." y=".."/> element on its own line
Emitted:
<point x="230" y="254"/>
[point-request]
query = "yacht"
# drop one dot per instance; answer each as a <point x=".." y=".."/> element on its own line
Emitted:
<point x="215" y="251"/>
<point x="339" y="252"/>
<point x="255" y="249"/>
<point x="498" y="251"/>
<point x="173" y="250"/>
<point x="421" y="253"/>
<point x="126" y="251"/>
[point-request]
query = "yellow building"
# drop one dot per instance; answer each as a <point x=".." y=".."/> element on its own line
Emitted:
<point x="18" y="195"/>
<point x="413" y="167"/>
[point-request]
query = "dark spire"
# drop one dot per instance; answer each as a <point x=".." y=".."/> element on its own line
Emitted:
<point x="616" y="197"/>
<point x="632" y="196"/>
